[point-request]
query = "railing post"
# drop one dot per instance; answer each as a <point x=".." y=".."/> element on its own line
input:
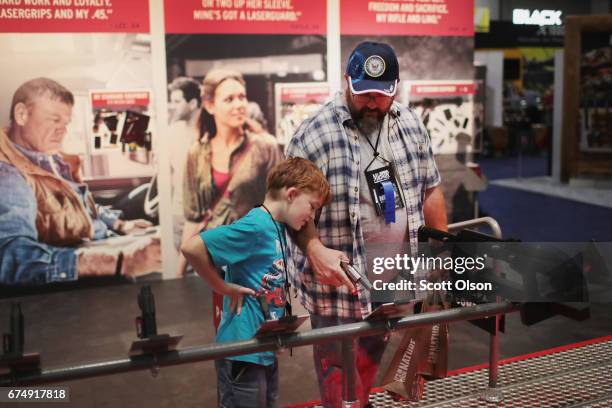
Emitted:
<point x="492" y="393"/>
<point x="349" y="394"/>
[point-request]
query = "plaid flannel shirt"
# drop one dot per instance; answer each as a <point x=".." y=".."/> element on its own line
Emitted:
<point x="330" y="140"/>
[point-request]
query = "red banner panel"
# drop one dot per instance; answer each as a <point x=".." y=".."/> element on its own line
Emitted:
<point x="442" y="89"/>
<point x="407" y="17"/>
<point x="304" y="94"/>
<point x="117" y="100"/>
<point x="74" y="16"/>
<point x="246" y="16"/>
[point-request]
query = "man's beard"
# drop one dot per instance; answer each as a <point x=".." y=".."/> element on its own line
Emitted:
<point x="365" y="120"/>
<point x="369" y="123"/>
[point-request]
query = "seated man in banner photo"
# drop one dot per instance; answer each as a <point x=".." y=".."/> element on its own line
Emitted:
<point x="44" y="211"/>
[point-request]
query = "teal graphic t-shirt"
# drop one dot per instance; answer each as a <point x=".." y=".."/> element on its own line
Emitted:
<point x="250" y="250"/>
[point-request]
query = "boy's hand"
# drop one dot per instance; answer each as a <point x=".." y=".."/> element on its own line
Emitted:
<point x="236" y="294"/>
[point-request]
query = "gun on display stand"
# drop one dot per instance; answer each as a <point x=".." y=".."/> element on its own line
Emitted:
<point x="545" y="280"/>
<point x="146" y="328"/>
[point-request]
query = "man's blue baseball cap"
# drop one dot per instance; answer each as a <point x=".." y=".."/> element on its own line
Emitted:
<point x="373" y="67"/>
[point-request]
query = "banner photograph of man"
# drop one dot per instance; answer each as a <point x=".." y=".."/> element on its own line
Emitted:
<point x="45" y="211"/>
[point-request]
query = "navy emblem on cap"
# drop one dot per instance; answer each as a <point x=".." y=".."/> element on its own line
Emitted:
<point x="374" y="66"/>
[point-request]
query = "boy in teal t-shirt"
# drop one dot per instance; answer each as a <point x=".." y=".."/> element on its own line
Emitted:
<point x="255" y="287"/>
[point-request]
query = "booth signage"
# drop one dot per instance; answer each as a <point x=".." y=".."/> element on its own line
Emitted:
<point x="417" y="18"/>
<point x="537" y="17"/>
<point x="74" y="16"/>
<point x="246" y="16"/>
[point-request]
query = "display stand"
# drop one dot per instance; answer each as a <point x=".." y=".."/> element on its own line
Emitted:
<point x="284" y="325"/>
<point x="586" y="138"/>
<point x="146" y="329"/>
<point x="13" y="356"/>
<point x="392" y="310"/>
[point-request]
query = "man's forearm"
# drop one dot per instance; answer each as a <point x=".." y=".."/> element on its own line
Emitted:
<point x="434" y="209"/>
<point x="26" y="261"/>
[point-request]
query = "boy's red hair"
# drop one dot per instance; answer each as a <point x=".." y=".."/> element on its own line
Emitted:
<point x="300" y="173"/>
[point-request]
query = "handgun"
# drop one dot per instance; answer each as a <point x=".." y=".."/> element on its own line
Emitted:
<point x="355" y="276"/>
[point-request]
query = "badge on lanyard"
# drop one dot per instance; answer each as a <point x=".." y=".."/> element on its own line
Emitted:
<point x="384" y="191"/>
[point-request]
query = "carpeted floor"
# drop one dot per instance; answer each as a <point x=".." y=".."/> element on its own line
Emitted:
<point x="537" y="216"/>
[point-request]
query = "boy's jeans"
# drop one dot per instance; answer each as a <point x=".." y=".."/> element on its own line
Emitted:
<point x="328" y="363"/>
<point x="247" y="385"/>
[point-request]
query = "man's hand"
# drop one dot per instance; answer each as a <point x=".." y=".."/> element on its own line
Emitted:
<point x="96" y="262"/>
<point x="138" y="259"/>
<point x="127" y="227"/>
<point x="325" y="263"/>
<point x="236" y="294"/>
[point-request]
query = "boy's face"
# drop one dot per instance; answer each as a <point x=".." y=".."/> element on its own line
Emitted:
<point x="302" y="207"/>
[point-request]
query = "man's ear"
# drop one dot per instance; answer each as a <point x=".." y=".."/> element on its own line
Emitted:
<point x="193" y="104"/>
<point x="20" y="114"/>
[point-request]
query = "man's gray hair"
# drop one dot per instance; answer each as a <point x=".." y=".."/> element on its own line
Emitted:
<point x="38" y="87"/>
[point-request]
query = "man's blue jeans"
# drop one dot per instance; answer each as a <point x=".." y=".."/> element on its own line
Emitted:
<point x="247" y="385"/>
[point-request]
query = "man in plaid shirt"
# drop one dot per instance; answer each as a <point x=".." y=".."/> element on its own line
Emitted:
<point x="377" y="158"/>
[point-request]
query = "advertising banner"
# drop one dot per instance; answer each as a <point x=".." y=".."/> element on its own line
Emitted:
<point x="237" y="49"/>
<point x="74" y="16"/>
<point x="85" y="65"/>
<point x="446" y="109"/>
<point x="407" y="17"/>
<point x="246" y="16"/>
<point x="433" y="41"/>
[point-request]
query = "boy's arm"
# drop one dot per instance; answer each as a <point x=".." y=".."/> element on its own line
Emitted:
<point x="197" y="255"/>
